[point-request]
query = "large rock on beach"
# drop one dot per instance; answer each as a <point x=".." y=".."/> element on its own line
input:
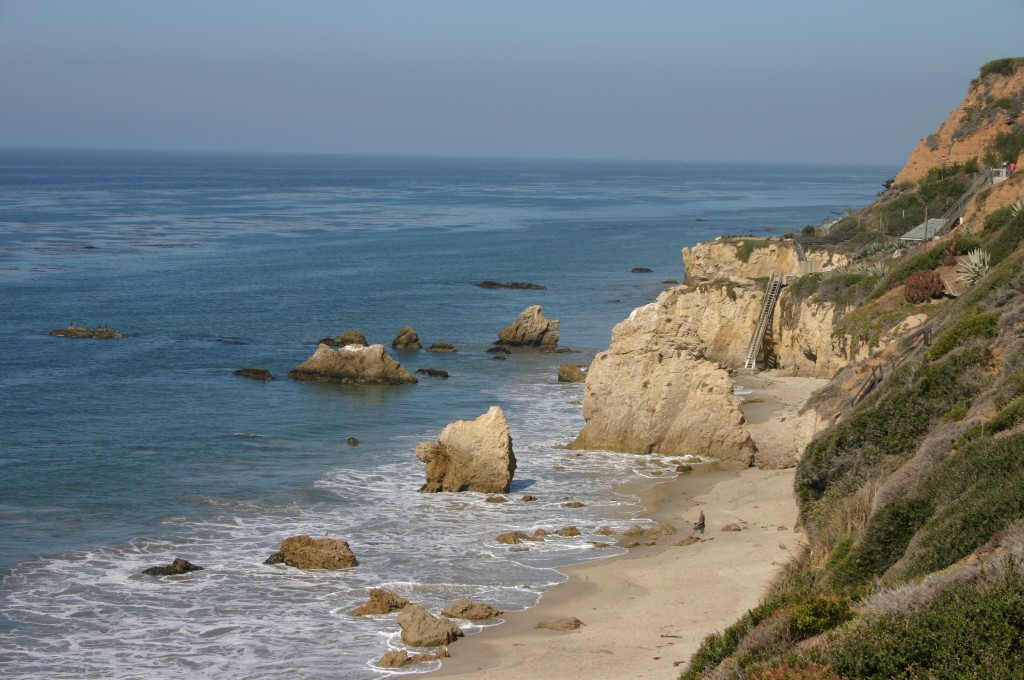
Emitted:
<point x="471" y="611"/>
<point x="421" y="629"/>
<point x="352" y="364"/>
<point x="470" y="455"/>
<point x="406" y="338"/>
<point x="303" y="552"/>
<point x="178" y="566"/>
<point x="530" y="329"/>
<point x="381" y="602"/>
<point x="649" y="393"/>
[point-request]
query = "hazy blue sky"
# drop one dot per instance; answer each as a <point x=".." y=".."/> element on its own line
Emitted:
<point x="765" y="80"/>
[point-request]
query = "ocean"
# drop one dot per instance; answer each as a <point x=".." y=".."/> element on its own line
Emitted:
<point x="117" y="455"/>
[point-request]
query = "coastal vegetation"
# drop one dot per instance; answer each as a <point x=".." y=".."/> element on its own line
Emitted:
<point x="913" y="500"/>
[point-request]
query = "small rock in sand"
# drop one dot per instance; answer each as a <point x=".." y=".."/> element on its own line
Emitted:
<point x="568" y="623"/>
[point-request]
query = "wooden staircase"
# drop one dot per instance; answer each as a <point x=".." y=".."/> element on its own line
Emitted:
<point x="764" y="321"/>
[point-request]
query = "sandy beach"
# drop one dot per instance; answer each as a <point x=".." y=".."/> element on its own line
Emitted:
<point x="645" y="613"/>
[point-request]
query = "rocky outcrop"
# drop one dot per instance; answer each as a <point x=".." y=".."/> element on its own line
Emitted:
<point x="178" y="566"/>
<point x="741" y="260"/>
<point x="352" y="364"/>
<point x="443" y="347"/>
<point x="255" y="373"/>
<point x="406" y="338"/>
<point x="421" y="629"/>
<point x="472" y="611"/>
<point x="303" y="552"/>
<point x="970" y="128"/>
<point x="101" y="333"/>
<point x="432" y="372"/>
<point x="530" y="329"/>
<point x="571" y="373"/>
<point x="650" y="393"/>
<point x="470" y="455"/>
<point x="381" y="602"/>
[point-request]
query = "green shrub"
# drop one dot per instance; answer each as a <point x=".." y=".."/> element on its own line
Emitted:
<point x="885" y="540"/>
<point x="885" y="432"/>
<point x="817" y="614"/>
<point x="967" y="328"/>
<point x="1003" y="67"/>
<point x="974" y="632"/>
<point x="955" y="414"/>
<point x="746" y="247"/>
<point x="1006" y="146"/>
<point x="930" y="259"/>
<point x="1007" y="417"/>
<point x="1008" y="238"/>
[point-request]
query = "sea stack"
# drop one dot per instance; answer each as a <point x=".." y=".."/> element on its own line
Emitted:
<point x="470" y="455"/>
<point x="530" y="329"/>
<point x="352" y="364"/>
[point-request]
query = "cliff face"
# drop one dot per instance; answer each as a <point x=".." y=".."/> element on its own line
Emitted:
<point x="971" y="127"/>
<point x="743" y="260"/>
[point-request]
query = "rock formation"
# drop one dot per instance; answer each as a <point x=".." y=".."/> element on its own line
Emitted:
<point x="255" y="373"/>
<point x="443" y="347"/>
<point x="472" y="611"/>
<point x="352" y="365"/>
<point x="729" y="260"/>
<point x="568" y="623"/>
<point x="178" y="566"/>
<point x="651" y="393"/>
<point x="351" y="337"/>
<point x="530" y="329"/>
<point x="400" y="658"/>
<point x="470" y="455"/>
<point x="432" y="372"/>
<point x="571" y="373"/>
<point x="421" y="629"/>
<point x="303" y="552"/>
<point x="101" y="333"/>
<point x="381" y="602"/>
<point x="406" y="338"/>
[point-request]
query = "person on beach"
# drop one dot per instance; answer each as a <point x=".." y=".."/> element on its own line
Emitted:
<point x="698" y="527"/>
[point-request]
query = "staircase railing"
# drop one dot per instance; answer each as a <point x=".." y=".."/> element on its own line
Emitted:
<point x="960" y="207"/>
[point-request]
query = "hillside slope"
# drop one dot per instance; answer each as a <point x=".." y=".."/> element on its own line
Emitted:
<point x="913" y="501"/>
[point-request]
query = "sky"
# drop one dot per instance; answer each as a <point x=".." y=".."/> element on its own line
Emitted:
<point x="739" y="81"/>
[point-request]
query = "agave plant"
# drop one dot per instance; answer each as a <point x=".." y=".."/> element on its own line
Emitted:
<point x="974" y="266"/>
<point x="1017" y="207"/>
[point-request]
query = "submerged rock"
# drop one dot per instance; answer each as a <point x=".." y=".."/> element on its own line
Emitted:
<point x="516" y="537"/>
<point x="530" y="329"/>
<point x="421" y="629"/>
<point x="443" y="347"/>
<point x="352" y="364"/>
<point x="641" y="270"/>
<point x="519" y="285"/>
<point x="255" y="373"/>
<point x="178" y="566"/>
<point x="406" y="338"/>
<point x="470" y="455"/>
<point x="303" y="552"/>
<point x="432" y="372"/>
<point x="101" y="332"/>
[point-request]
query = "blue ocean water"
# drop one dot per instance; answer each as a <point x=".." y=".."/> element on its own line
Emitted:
<point x="122" y="454"/>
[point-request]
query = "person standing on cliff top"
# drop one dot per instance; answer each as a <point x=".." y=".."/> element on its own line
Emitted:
<point x="698" y="527"/>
